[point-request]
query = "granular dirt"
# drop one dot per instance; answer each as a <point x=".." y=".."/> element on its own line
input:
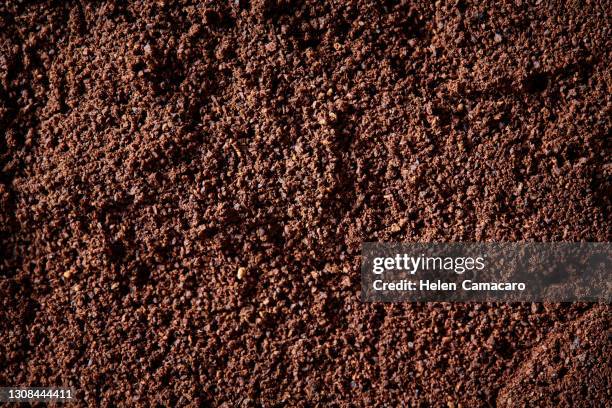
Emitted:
<point x="185" y="186"/>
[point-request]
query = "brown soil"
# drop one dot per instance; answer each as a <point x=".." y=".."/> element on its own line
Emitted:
<point x="185" y="185"/>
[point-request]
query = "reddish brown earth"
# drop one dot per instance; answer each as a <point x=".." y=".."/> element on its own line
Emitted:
<point x="184" y="188"/>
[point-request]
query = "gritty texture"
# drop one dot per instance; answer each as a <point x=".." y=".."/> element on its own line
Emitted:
<point x="185" y="186"/>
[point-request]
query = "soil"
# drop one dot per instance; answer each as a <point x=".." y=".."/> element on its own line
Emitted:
<point x="185" y="187"/>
